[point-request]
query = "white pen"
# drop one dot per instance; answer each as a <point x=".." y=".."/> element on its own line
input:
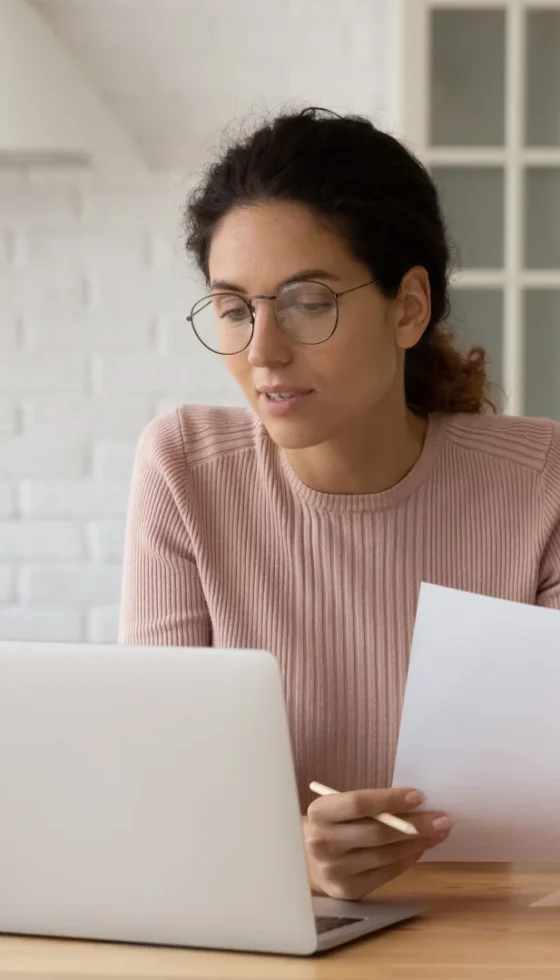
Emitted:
<point x="387" y="819"/>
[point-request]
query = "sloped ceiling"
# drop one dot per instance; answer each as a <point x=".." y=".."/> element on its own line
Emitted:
<point x="176" y="71"/>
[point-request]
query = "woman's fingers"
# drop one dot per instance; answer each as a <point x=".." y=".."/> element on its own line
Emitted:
<point x="356" y="805"/>
<point x="429" y="824"/>
<point x="375" y="858"/>
<point x="331" y="840"/>
<point x="351" y="853"/>
<point x="355" y="887"/>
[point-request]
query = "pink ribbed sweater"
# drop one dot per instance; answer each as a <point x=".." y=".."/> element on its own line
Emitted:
<point x="226" y="547"/>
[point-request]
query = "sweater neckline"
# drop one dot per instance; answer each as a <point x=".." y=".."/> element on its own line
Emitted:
<point x="368" y="502"/>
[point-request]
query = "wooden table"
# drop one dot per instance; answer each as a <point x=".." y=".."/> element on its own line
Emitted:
<point x="482" y="925"/>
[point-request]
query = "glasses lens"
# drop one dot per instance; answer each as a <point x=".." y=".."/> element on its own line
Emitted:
<point x="307" y="311"/>
<point x="222" y="322"/>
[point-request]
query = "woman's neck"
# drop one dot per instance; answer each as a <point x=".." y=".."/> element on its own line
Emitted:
<point x="368" y="458"/>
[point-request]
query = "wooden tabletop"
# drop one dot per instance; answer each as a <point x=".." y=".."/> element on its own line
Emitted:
<point x="482" y="925"/>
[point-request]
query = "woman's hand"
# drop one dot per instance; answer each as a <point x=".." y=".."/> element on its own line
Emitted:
<point x="350" y="854"/>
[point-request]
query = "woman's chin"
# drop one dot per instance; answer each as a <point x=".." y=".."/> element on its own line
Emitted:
<point x="292" y="434"/>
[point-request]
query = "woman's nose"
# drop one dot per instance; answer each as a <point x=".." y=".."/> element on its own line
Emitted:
<point x="269" y="344"/>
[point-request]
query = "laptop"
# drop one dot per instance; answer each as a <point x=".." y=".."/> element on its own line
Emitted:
<point x="148" y="796"/>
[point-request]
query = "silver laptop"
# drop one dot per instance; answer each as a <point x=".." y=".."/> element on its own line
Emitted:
<point x="148" y="796"/>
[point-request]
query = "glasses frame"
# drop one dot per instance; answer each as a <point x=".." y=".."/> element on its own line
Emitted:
<point x="249" y="302"/>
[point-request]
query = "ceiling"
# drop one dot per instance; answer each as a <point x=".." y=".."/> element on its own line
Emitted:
<point x="176" y="71"/>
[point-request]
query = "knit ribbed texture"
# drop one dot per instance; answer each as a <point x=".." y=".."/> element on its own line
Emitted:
<point x="226" y="547"/>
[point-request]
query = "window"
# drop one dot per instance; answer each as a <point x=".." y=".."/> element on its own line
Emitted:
<point x="481" y="108"/>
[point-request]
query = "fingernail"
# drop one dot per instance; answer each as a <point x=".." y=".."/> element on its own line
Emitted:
<point x="414" y="799"/>
<point x="442" y="823"/>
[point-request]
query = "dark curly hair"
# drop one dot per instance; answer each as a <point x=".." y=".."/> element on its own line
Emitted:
<point x="379" y="196"/>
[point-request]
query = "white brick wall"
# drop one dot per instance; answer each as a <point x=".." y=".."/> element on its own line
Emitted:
<point x="94" y="291"/>
<point x="6" y="247"/>
<point x="105" y="540"/>
<point x="112" y="459"/>
<point x="8" y="417"/>
<point x="80" y="585"/>
<point x="9" y="335"/>
<point x="7" y="500"/>
<point x="26" y="206"/>
<point x="102" y="624"/>
<point x="7" y="581"/>
<point x="22" y="622"/>
<point x="22" y="372"/>
<point x="72" y="498"/>
<point x="40" y="539"/>
<point x="90" y="417"/>
<point x="86" y="334"/>
<point x="42" y="455"/>
<point x="93" y="294"/>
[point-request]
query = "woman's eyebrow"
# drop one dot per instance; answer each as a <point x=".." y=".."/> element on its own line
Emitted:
<point x="310" y="274"/>
<point x="296" y="277"/>
<point x="229" y="286"/>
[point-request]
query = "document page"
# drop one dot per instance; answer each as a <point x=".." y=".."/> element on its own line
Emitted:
<point x="480" y="729"/>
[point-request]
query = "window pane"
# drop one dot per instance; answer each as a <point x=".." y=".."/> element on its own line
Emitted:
<point x="473" y="205"/>
<point x="542" y="353"/>
<point x="542" y="218"/>
<point x="467" y="77"/>
<point x="542" y="120"/>
<point x="477" y="320"/>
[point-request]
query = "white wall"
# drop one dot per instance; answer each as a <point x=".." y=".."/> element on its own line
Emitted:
<point x="93" y="343"/>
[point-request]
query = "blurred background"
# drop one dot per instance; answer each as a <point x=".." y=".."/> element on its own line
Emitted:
<point x="108" y="111"/>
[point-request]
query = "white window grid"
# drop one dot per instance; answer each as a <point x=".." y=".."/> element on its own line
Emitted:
<point x="514" y="157"/>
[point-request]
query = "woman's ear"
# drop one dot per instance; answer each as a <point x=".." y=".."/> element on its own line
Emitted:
<point x="413" y="306"/>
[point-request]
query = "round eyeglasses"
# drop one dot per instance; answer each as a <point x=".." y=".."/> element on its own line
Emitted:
<point x="307" y="311"/>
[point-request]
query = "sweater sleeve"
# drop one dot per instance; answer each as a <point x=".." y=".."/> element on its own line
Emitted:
<point x="549" y="578"/>
<point x="162" y="600"/>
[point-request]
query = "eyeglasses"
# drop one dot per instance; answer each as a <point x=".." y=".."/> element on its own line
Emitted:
<point x="307" y="311"/>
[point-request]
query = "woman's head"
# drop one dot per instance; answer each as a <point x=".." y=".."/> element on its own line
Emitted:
<point x="315" y="196"/>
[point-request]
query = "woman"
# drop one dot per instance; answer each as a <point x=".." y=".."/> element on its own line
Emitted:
<point x="366" y="463"/>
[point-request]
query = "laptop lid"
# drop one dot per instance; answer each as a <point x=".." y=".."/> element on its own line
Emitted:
<point x="148" y="795"/>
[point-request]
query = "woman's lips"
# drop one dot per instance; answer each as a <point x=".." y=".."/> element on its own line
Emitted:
<point x="284" y="401"/>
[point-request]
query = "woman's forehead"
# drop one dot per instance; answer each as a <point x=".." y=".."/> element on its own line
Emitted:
<point x="275" y="240"/>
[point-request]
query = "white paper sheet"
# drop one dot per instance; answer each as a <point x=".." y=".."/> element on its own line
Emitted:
<point x="480" y="730"/>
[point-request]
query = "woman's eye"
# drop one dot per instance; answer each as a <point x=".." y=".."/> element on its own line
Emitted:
<point x="313" y="307"/>
<point x="235" y="316"/>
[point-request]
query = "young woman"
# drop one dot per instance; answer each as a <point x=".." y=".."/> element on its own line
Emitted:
<point x="367" y="461"/>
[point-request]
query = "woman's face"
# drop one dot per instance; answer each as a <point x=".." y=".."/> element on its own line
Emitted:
<point x="353" y="376"/>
